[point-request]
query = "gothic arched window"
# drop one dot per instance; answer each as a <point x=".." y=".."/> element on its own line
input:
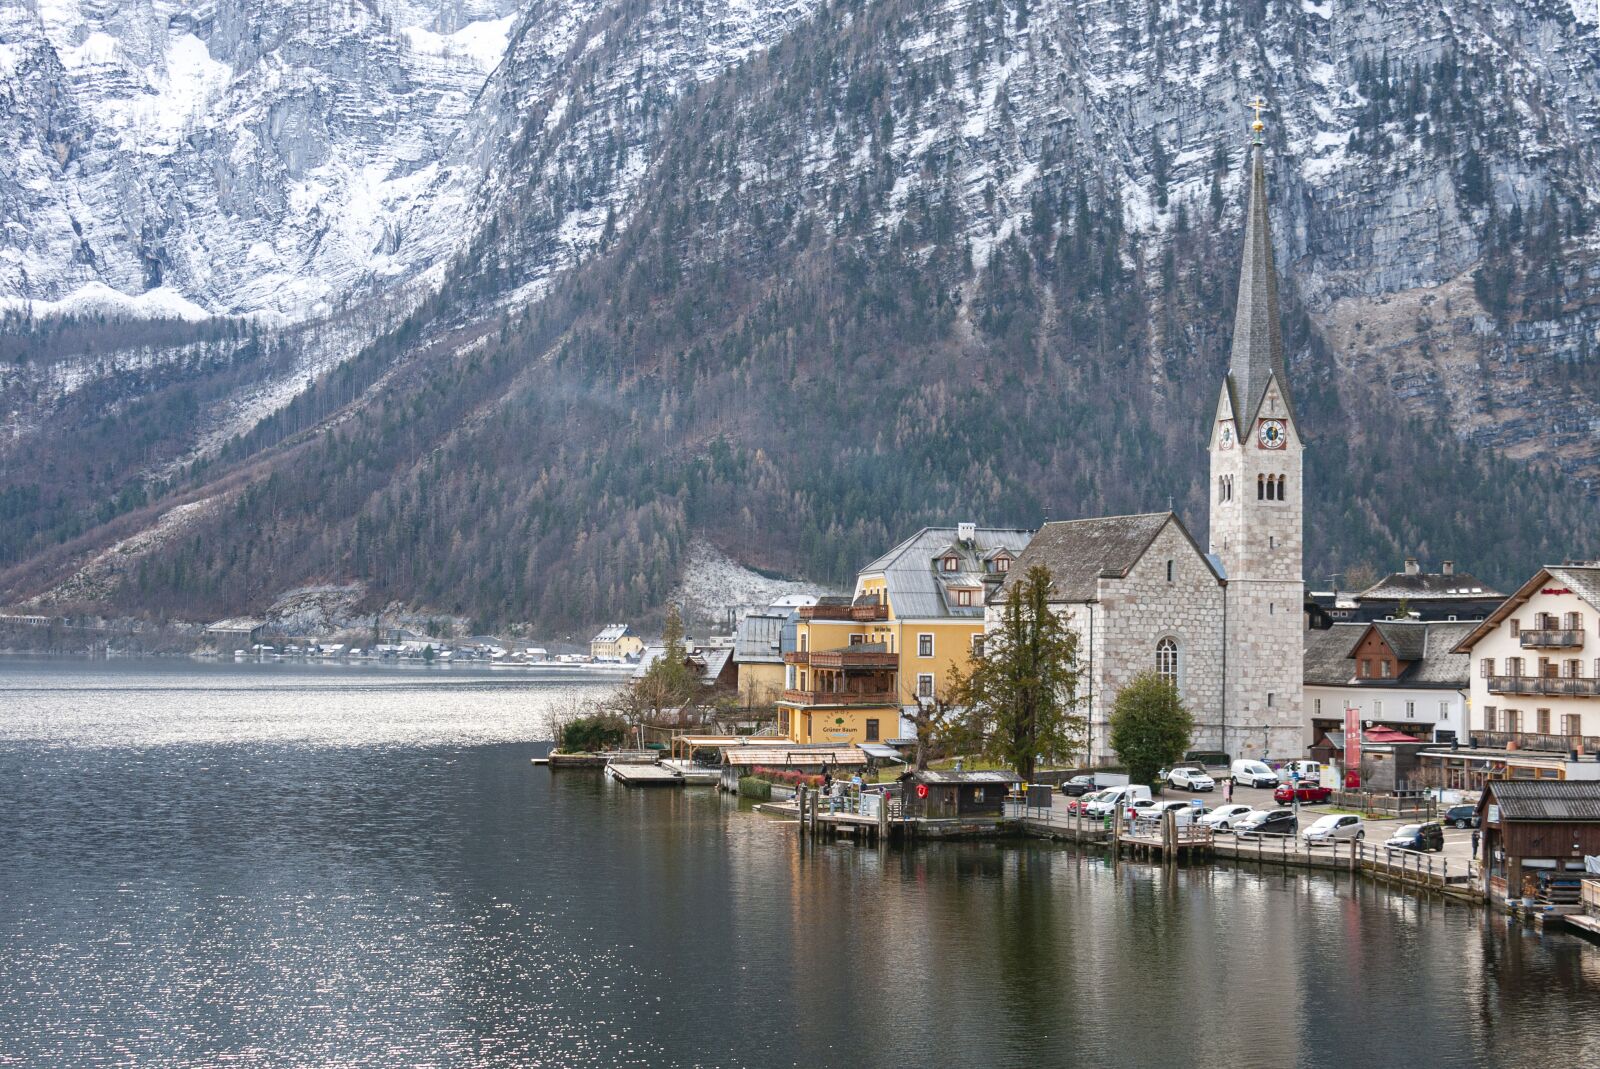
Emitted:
<point x="1167" y="660"/>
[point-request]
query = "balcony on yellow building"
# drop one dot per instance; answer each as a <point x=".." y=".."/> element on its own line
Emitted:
<point x="859" y="674"/>
<point x="864" y="609"/>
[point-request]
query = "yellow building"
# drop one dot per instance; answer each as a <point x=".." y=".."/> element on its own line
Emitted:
<point x="917" y="612"/>
<point x="615" y="643"/>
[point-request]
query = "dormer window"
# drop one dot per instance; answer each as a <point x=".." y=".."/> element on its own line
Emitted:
<point x="1002" y="564"/>
<point x="951" y="563"/>
<point x="964" y="597"/>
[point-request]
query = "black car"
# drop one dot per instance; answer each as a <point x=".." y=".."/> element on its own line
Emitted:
<point x="1273" y="822"/>
<point x="1078" y="786"/>
<point x="1461" y="816"/>
<point x="1429" y="836"/>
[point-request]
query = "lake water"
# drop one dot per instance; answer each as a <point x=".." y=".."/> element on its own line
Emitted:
<point x="331" y="866"/>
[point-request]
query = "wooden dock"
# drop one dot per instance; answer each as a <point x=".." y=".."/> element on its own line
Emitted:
<point x="662" y="774"/>
<point x="644" y="775"/>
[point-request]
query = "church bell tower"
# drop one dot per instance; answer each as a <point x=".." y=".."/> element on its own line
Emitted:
<point x="1256" y="510"/>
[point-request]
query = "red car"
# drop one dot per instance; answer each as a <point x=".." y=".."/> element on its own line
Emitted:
<point x="1306" y="792"/>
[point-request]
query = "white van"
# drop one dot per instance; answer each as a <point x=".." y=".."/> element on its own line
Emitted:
<point x="1253" y="774"/>
<point x="1109" y="799"/>
<point x="1310" y="771"/>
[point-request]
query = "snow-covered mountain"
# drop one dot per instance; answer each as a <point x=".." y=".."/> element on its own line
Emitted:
<point x="232" y="158"/>
<point x="695" y="215"/>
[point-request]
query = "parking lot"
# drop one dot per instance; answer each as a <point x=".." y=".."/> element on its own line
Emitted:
<point x="1457" y="841"/>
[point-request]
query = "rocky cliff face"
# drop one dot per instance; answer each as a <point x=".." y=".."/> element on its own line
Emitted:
<point x="696" y="215"/>
<point x="231" y="158"/>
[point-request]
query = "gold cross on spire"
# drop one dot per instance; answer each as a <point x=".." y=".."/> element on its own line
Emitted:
<point x="1257" y="126"/>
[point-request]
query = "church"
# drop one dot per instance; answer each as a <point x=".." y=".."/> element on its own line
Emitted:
<point x="1224" y="623"/>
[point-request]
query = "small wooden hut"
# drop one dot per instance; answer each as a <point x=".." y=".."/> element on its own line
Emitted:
<point x="950" y="795"/>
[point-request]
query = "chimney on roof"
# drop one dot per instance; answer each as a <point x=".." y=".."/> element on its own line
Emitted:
<point x="966" y="533"/>
<point x="1412" y="567"/>
<point x="1448" y="567"/>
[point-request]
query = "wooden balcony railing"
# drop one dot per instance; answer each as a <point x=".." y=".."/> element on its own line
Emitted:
<point x="1537" y="741"/>
<point x="828" y="697"/>
<point x="860" y="613"/>
<point x="1550" y="638"/>
<point x="843" y="659"/>
<point x="1554" y="686"/>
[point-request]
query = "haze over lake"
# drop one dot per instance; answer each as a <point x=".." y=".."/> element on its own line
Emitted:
<point x="329" y="865"/>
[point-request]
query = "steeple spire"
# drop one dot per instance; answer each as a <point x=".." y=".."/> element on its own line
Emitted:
<point x="1257" y="340"/>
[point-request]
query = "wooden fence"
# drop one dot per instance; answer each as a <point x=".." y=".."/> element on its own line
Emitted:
<point x="1414" y="806"/>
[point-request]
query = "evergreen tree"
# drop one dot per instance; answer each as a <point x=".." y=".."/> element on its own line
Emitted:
<point x="1019" y="699"/>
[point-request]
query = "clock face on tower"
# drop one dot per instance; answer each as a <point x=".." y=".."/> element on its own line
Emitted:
<point x="1225" y="438"/>
<point x="1271" y="434"/>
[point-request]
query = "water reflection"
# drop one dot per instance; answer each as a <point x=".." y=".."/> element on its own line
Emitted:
<point x="259" y="901"/>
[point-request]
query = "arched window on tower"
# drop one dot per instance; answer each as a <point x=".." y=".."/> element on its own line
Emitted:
<point x="1281" y="481"/>
<point x="1261" y="487"/>
<point x="1167" y="660"/>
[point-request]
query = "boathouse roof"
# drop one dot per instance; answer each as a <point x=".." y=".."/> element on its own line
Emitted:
<point x="1549" y="799"/>
<point x="947" y="775"/>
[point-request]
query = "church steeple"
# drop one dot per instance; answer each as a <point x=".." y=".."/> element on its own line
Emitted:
<point x="1257" y="340"/>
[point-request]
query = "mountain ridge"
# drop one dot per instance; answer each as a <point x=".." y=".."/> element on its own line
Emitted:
<point x="889" y="270"/>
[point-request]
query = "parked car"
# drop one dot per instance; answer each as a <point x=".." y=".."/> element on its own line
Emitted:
<point x="1267" y="822"/>
<point x="1306" y="793"/>
<point x="1086" y="802"/>
<point x="1078" y="786"/>
<point x="1138" y="808"/>
<point x="1224" y="817"/>
<point x="1461" y="816"/>
<point x="1253" y="774"/>
<point x="1157" y="810"/>
<point x="1190" y="778"/>
<point x="1426" y="837"/>
<point x="1310" y="771"/>
<point x="1334" y="826"/>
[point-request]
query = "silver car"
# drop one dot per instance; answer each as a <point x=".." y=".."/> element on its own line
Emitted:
<point x="1335" y="826"/>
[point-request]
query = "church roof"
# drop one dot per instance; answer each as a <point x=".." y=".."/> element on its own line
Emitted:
<point x="1080" y="552"/>
<point x="1257" y="338"/>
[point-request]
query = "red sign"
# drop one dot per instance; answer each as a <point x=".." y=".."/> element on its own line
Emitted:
<point x="1352" y="742"/>
<point x="1555" y="590"/>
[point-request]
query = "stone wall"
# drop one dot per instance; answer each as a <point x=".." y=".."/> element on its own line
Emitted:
<point x="1137" y="612"/>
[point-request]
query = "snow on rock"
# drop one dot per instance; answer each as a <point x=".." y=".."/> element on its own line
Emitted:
<point x="714" y="584"/>
<point x="483" y="42"/>
<point x="92" y="298"/>
<point x="318" y="610"/>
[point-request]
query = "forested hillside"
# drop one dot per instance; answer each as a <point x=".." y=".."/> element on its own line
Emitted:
<point x="909" y="265"/>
